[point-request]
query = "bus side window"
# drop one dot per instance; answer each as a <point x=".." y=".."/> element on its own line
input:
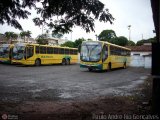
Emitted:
<point x="75" y="52"/>
<point x="111" y="50"/>
<point x="29" y="51"/>
<point x="49" y="50"/>
<point x="119" y="51"/>
<point x="61" y="51"/>
<point x="66" y="51"/>
<point x="42" y="50"/>
<point x="55" y="50"/>
<point x="71" y="51"/>
<point x="105" y="53"/>
<point x="37" y="49"/>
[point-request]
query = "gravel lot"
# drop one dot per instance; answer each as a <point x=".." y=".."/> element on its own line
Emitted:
<point x="64" y="83"/>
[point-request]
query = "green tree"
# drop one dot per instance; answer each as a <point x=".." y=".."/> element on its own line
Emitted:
<point x="140" y="42"/>
<point x="150" y="40"/>
<point x="28" y="34"/>
<point x="89" y="39"/>
<point x="69" y="13"/>
<point x="57" y="35"/>
<point x="42" y="39"/>
<point x="78" y="42"/>
<point x="68" y="44"/>
<point x="131" y="43"/>
<point x="122" y="41"/>
<point x="43" y="36"/>
<point x="25" y="35"/>
<point x="107" y="35"/>
<point x="10" y="36"/>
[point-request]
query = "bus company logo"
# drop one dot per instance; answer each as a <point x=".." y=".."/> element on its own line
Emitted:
<point x="4" y="117"/>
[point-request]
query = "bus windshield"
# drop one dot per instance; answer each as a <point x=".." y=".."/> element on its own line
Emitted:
<point x="91" y="51"/>
<point x="4" y="51"/>
<point x="18" y="52"/>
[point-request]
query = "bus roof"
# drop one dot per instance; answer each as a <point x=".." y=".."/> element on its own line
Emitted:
<point x="45" y="45"/>
<point x="105" y="42"/>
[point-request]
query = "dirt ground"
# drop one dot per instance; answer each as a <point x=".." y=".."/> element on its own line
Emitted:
<point x="119" y="107"/>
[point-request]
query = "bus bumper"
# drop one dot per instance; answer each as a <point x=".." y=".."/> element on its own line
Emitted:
<point x="5" y="61"/>
<point x="16" y="62"/>
<point x="94" y="66"/>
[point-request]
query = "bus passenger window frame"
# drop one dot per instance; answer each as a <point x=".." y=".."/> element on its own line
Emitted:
<point x="29" y="52"/>
<point x="61" y="50"/>
<point x="42" y="50"/>
<point x="66" y="51"/>
<point x="37" y="49"/>
<point x="105" y="53"/>
<point x="55" y="50"/>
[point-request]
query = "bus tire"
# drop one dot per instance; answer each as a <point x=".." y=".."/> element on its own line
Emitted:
<point x="124" y="65"/>
<point x="68" y="61"/>
<point x="63" y="61"/>
<point x="109" y="67"/>
<point x="37" y="62"/>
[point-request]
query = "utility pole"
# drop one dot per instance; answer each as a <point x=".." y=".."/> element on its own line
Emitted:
<point x="71" y="35"/>
<point x="129" y="28"/>
<point x="142" y="36"/>
<point x="96" y="36"/>
<point x="42" y="28"/>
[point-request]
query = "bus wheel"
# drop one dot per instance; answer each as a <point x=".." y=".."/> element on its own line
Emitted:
<point x="124" y="65"/>
<point x="68" y="61"/>
<point x="64" y="62"/>
<point x="109" y="67"/>
<point x="37" y="62"/>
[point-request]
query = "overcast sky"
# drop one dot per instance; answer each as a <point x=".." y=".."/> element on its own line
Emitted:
<point x="136" y="13"/>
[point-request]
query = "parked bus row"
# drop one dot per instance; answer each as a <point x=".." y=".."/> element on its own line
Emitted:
<point x="94" y="55"/>
<point x="35" y="54"/>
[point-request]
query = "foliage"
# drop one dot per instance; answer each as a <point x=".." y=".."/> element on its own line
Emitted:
<point x="152" y="39"/>
<point x="78" y="42"/>
<point x="10" y="36"/>
<point x="25" y="34"/>
<point x="12" y="9"/>
<point x="130" y="43"/>
<point x="110" y="36"/>
<point x="122" y="41"/>
<point x="57" y="35"/>
<point x="68" y="44"/>
<point x="89" y="39"/>
<point x="68" y="13"/>
<point x="107" y="35"/>
<point x="42" y="39"/>
<point x="141" y="42"/>
<point x="42" y="36"/>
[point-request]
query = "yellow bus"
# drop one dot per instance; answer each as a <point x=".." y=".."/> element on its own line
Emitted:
<point x="6" y="53"/>
<point x="35" y="54"/>
<point x="99" y="55"/>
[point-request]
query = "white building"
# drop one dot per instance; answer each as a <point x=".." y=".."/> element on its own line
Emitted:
<point x="141" y="56"/>
<point x="27" y="40"/>
<point x="55" y="41"/>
